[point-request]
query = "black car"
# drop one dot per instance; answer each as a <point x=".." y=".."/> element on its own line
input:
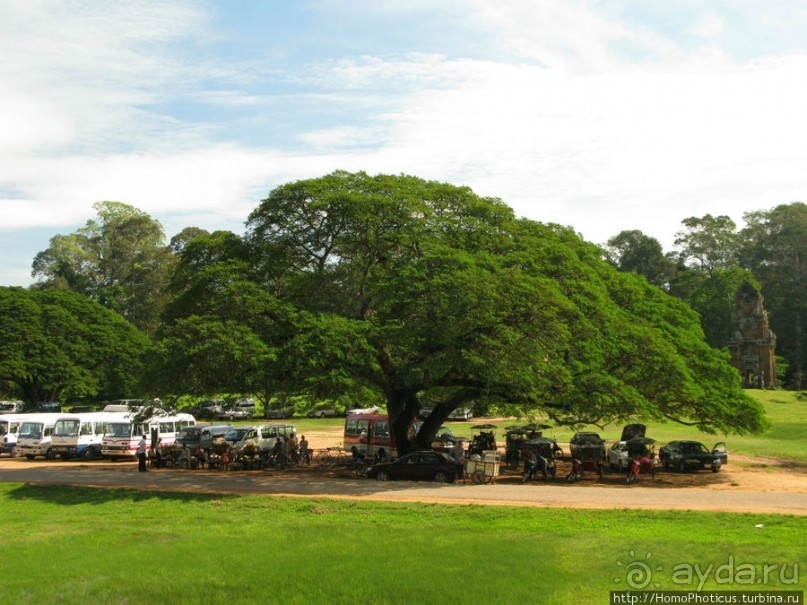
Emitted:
<point x="686" y="455"/>
<point x="419" y="466"/>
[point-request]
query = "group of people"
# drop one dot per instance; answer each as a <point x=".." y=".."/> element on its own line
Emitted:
<point x="287" y="450"/>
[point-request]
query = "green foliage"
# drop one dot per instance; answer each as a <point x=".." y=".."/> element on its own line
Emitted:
<point x="423" y="290"/>
<point x="774" y="248"/>
<point x="711" y="295"/>
<point x="119" y="259"/>
<point x="709" y="243"/>
<point x="56" y="344"/>
<point x="633" y="251"/>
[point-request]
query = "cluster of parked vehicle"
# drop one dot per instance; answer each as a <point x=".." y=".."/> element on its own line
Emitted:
<point x="116" y="432"/>
<point x="633" y="445"/>
<point x="113" y="432"/>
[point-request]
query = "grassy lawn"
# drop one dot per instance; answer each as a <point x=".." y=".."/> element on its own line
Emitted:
<point x="84" y="545"/>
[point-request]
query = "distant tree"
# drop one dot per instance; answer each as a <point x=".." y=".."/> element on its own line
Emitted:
<point x="711" y="295"/>
<point x="708" y="243"/>
<point x="118" y="259"/>
<point x="181" y="239"/>
<point x="58" y="344"/>
<point x="635" y="252"/>
<point x="773" y="245"/>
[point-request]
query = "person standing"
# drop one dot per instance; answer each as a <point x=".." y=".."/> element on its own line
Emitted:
<point x="141" y="455"/>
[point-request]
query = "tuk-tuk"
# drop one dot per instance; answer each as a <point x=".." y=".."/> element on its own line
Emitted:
<point x="483" y="438"/>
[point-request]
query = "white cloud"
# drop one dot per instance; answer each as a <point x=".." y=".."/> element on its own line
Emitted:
<point x="566" y="130"/>
<point x="708" y="26"/>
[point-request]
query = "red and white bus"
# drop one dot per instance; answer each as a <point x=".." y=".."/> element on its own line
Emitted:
<point x="369" y="434"/>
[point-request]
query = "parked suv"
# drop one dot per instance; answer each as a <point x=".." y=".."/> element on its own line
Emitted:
<point x="201" y="435"/>
<point x="241" y="409"/>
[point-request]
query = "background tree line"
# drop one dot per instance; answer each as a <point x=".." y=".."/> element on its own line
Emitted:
<point x="711" y="257"/>
<point x="394" y="290"/>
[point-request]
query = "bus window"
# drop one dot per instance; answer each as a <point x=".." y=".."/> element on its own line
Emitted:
<point x="86" y="428"/>
<point x="166" y="427"/>
<point x="381" y="429"/>
<point x="268" y="431"/>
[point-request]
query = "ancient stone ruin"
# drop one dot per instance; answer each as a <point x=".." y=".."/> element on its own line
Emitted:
<point x="753" y="346"/>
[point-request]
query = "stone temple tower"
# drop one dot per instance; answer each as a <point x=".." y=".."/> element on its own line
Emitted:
<point x="753" y="346"/>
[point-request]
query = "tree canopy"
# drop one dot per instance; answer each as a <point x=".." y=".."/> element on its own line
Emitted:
<point x="59" y="344"/>
<point x="436" y="293"/>
<point x="118" y="259"/>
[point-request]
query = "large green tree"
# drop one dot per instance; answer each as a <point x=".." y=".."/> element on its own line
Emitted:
<point x="57" y="344"/>
<point x="119" y="259"/>
<point x="422" y="290"/>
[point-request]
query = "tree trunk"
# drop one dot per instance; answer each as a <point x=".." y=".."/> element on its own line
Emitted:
<point x="403" y="407"/>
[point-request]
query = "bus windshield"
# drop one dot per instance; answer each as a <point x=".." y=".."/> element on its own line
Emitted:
<point x="66" y="428"/>
<point x="118" y="429"/>
<point x="31" y="430"/>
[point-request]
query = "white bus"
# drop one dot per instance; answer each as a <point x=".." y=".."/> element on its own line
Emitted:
<point x="122" y="436"/>
<point x="9" y="429"/>
<point x="81" y="435"/>
<point x="34" y="438"/>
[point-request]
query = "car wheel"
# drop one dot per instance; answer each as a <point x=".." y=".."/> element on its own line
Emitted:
<point x="49" y="454"/>
<point x="682" y="467"/>
<point x="666" y="464"/>
<point x="30" y="456"/>
<point x="89" y="454"/>
<point x="440" y="477"/>
<point x="382" y="476"/>
<point x="715" y="468"/>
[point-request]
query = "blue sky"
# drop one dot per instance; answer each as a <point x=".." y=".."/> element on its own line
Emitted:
<point x="602" y="115"/>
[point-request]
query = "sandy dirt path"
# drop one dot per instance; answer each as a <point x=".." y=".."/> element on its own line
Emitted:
<point x="752" y="486"/>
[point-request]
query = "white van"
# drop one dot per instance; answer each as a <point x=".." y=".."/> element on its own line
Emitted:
<point x="34" y="438"/>
<point x="9" y="429"/>
<point x="11" y="407"/>
<point x="122" y="437"/>
<point x="82" y="435"/>
<point x="265" y="435"/>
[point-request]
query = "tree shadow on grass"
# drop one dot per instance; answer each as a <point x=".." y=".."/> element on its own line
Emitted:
<point x="70" y="495"/>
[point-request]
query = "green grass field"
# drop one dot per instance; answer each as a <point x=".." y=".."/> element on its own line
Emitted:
<point x="83" y="545"/>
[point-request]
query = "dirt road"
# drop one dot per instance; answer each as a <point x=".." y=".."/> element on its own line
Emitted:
<point x="766" y="488"/>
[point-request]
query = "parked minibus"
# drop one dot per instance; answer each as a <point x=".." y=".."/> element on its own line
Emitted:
<point x="9" y="429"/>
<point x="34" y="438"/>
<point x="121" y="437"/>
<point x="81" y="435"/>
<point x="369" y="434"/>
